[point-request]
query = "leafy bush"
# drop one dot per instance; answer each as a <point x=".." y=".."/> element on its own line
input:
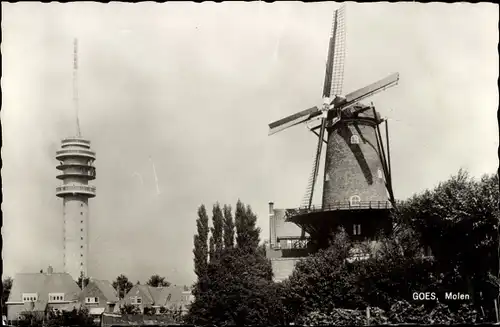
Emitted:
<point x="129" y="309"/>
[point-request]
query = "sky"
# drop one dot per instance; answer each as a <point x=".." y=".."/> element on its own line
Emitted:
<point x="192" y="88"/>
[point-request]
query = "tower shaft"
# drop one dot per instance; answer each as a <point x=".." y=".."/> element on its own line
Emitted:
<point x="76" y="165"/>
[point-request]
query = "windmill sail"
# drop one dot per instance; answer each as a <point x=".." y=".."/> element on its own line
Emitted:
<point x="334" y="75"/>
<point x="293" y="120"/>
<point x="370" y="90"/>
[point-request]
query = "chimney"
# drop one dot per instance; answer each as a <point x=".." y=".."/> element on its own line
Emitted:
<point x="50" y="270"/>
<point x="271" y="225"/>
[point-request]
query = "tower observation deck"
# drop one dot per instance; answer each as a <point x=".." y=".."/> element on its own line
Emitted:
<point x="76" y="166"/>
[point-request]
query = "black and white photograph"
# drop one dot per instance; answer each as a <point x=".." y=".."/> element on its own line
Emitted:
<point x="250" y="163"/>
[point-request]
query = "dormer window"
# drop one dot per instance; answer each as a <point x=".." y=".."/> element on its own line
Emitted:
<point x="30" y="297"/>
<point x="354" y="139"/>
<point x="354" y="200"/>
<point x="56" y="297"/>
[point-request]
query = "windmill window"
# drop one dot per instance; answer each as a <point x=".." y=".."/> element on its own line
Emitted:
<point x="380" y="174"/>
<point x="354" y="139"/>
<point x="354" y="200"/>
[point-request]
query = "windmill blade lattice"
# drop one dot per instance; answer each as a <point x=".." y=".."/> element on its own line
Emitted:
<point x="308" y="196"/>
<point x="338" y="27"/>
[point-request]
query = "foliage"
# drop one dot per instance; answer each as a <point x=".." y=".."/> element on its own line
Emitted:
<point x="228" y="227"/>
<point x="200" y="250"/>
<point x="337" y="317"/>
<point x="6" y="287"/>
<point x="459" y="220"/>
<point x="217" y="230"/>
<point x="157" y="281"/>
<point x="76" y="317"/>
<point x="149" y="311"/>
<point x="437" y="313"/>
<point x="85" y="281"/>
<point x="211" y="249"/>
<point x="322" y="281"/>
<point x="240" y="291"/>
<point x="129" y="309"/>
<point x="31" y="318"/>
<point x="400" y="312"/>
<point x="239" y="287"/>
<point x="247" y="234"/>
<point x="122" y="285"/>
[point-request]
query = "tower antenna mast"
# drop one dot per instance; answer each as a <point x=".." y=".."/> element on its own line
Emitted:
<point x="75" y="85"/>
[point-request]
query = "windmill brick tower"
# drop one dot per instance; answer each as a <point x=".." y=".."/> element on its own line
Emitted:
<point x="76" y="163"/>
<point x="357" y="186"/>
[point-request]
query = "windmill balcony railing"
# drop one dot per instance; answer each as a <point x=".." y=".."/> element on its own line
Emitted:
<point x="340" y="205"/>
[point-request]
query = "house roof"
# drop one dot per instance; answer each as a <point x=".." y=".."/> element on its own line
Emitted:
<point x="106" y="288"/>
<point x="162" y="296"/>
<point x="43" y="284"/>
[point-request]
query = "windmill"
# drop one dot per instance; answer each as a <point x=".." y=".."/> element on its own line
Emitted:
<point x="357" y="175"/>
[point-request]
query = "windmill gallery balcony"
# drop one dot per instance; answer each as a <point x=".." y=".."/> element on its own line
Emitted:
<point x="339" y="205"/>
<point x="87" y="190"/>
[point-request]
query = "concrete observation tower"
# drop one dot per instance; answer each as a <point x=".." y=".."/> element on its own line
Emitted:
<point x="76" y="166"/>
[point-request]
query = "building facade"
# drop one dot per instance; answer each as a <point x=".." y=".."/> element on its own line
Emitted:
<point x="99" y="296"/>
<point x="171" y="298"/>
<point x="38" y="292"/>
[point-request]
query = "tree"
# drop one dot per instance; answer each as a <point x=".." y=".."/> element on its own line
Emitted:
<point x="240" y="292"/>
<point x="459" y="220"/>
<point x="6" y="287"/>
<point x="247" y="234"/>
<point x="200" y="243"/>
<point x="85" y="281"/>
<point x="149" y="311"/>
<point x="211" y="249"/>
<point x="129" y="309"/>
<point x="157" y="281"/>
<point x="238" y="282"/>
<point x="228" y="227"/>
<point x="122" y="285"/>
<point x="217" y="230"/>
<point x="76" y="317"/>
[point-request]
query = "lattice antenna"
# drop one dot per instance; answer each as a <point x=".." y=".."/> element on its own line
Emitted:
<point x="75" y="86"/>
